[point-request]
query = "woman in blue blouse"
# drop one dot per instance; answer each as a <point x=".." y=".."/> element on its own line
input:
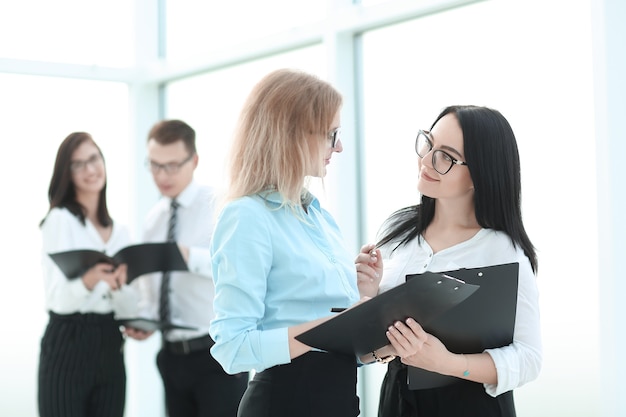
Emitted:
<point x="279" y="260"/>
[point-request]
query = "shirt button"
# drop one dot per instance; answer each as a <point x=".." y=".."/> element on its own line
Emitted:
<point x="333" y="260"/>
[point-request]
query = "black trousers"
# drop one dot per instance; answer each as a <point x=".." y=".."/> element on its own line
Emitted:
<point x="196" y="385"/>
<point x="81" y="367"/>
<point x="464" y="399"/>
<point x="316" y="384"/>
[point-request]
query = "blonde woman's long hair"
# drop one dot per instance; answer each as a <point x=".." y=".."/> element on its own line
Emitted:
<point x="281" y="131"/>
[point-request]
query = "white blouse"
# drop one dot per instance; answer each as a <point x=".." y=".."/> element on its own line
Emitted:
<point x="62" y="231"/>
<point x="517" y="363"/>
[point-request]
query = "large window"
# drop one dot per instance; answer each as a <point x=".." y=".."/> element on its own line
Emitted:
<point x="196" y="29"/>
<point x="484" y="54"/>
<point x="211" y="103"/>
<point x="94" y="32"/>
<point x="38" y="113"/>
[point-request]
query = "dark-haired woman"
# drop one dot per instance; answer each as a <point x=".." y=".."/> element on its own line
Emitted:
<point x="469" y="216"/>
<point x="81" y="367"/>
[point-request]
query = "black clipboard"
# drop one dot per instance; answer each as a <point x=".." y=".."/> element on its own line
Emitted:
<point x="483" y="321"/>
<point x="141" y="259"/>
<point x="361" y="329"/>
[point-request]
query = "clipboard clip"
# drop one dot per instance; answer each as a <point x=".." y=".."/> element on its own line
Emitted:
<point x="456" y="279"/>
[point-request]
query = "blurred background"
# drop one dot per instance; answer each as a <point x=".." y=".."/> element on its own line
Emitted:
<point x="554" y="68"/>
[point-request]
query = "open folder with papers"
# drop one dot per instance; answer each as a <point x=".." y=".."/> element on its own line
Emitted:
<point x="141" y="259"/>
<point x="361" y="329"/>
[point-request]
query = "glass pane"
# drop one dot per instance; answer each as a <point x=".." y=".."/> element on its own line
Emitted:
<point x="211" y="103"/>
<point x="195" y="27"/>
<point x="505" y="55"/>
<point x="33" y="126"/>
<point x="95" y="32"/>
<point x="502" y="71"/>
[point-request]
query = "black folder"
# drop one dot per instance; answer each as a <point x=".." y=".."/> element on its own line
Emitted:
<point x="485" y="320"/>
<point x="141" y="259"/>
<point x="148" y="325"/>
<point x="361" y="329"/>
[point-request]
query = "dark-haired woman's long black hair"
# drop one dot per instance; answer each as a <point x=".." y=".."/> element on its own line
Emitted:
<point x="62" y="192"/>
<point x="493" y="160"/>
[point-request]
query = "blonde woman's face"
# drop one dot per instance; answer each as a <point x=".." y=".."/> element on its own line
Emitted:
<point x="322" y="157"/>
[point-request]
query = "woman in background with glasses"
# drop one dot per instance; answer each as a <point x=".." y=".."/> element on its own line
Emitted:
<point x="81" y="366"/>
<point x="469" y="216"/>
<point x="279" y="261"/>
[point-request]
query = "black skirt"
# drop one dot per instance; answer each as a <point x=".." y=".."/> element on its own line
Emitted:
<point x="463" y="399"/>
<point x="312" y="385"/>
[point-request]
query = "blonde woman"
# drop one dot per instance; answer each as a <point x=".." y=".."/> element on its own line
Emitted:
<point x="279" y="260"/>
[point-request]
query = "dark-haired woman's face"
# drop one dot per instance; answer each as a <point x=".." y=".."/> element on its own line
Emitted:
<point x="87" y="167"/>
<point x="456" y="183"/>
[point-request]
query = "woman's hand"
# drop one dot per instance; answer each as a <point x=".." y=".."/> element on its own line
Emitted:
<point x="419" y="348"/>
<point x="136" y="333"/>
<point x="114" y="277"/>
<point x="369" y="270"/>
<point x="121" y="276"/>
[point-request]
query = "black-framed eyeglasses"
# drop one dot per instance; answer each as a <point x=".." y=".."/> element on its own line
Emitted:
<point x="169" y="168"/>
<point x="333" y="136"/>
<point x="81" y="165"/>
<point x="442" y="160"/>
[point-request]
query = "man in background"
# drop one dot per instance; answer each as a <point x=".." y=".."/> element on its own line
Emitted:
<point x="195" y="384"/>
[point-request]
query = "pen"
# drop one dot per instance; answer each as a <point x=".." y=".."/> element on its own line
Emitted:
<point x="337" y="309"/>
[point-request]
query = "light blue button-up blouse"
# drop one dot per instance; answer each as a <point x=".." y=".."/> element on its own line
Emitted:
<point x="274" y="268"/>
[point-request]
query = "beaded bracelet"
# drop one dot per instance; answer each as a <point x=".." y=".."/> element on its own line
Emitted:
<point x="385" y="359"/>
